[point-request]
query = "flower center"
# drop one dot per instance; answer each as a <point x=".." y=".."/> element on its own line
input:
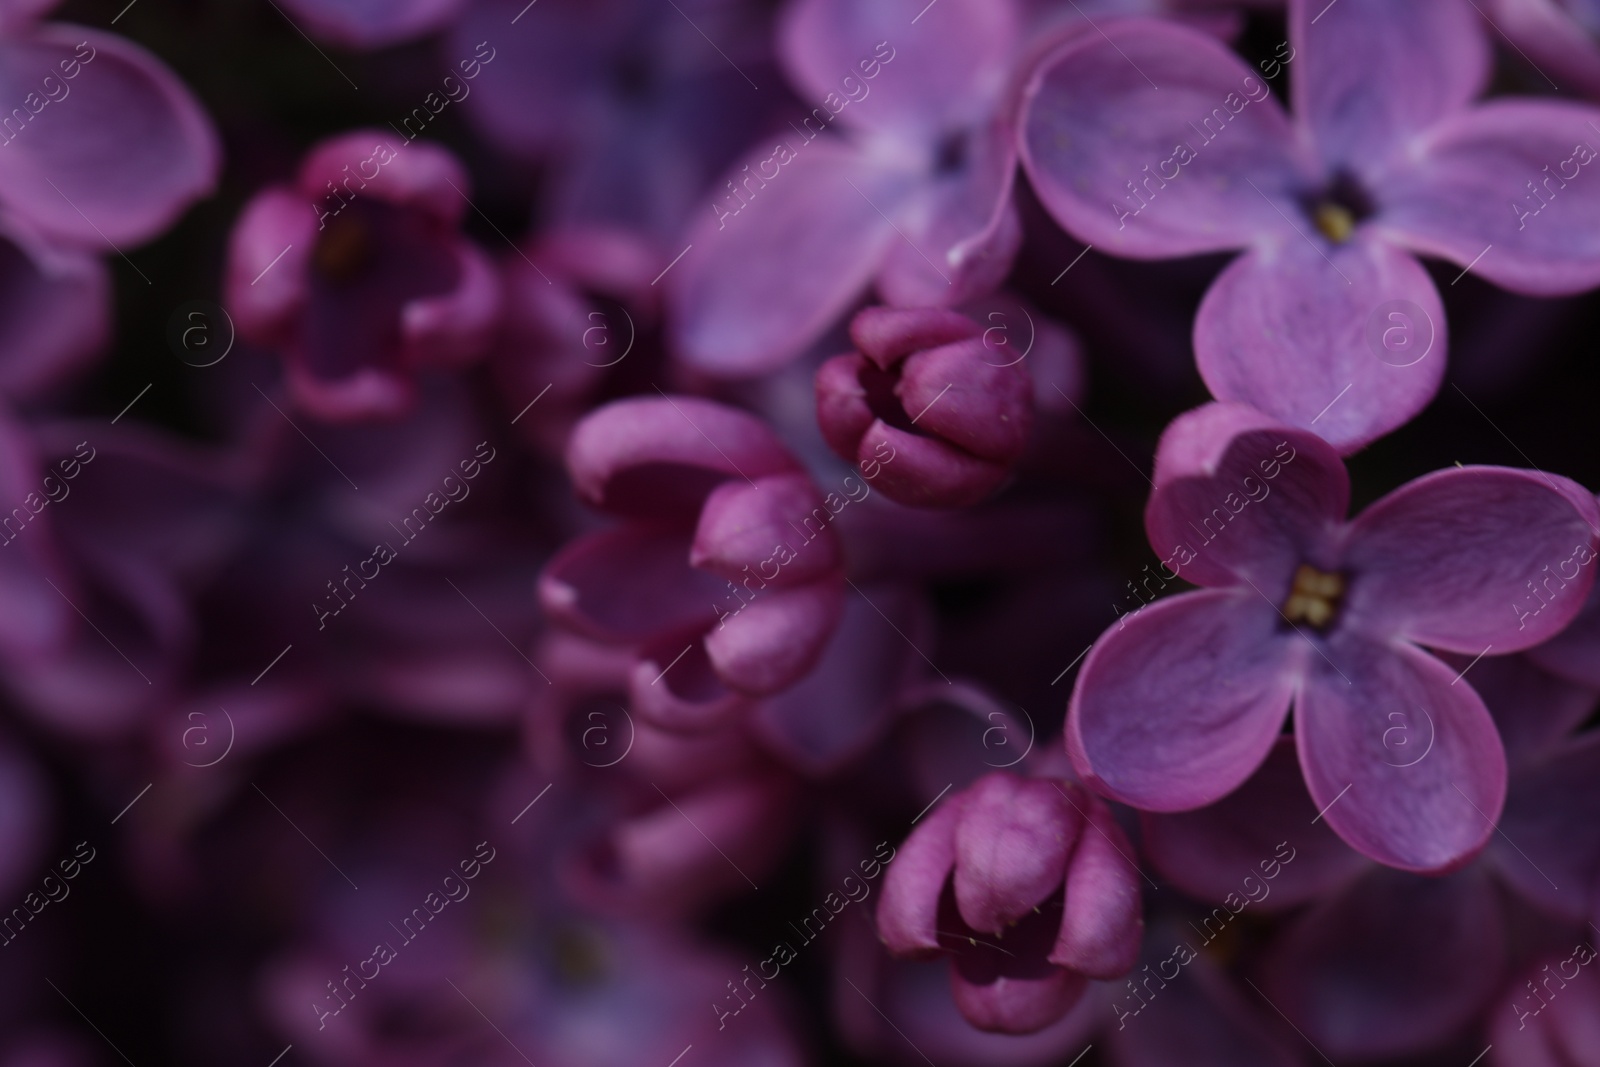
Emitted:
<point x="345" y="249"/>
<point x="1339" y="208"/>
<point x="1335" y="221"/>
<point x="950" y="156"/>
<point x="1314" y="598"/>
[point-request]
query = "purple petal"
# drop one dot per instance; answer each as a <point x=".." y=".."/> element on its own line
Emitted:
<point x="931" y="74"/>
<point x="738" y="310"/>
<point x="954" y="391"/>
<point x="1016" y="1004"/>
<point x="409" y="174"/>
<point x="673" y="687"/>
<point x="1179" y="703"/>
<point x="1235" y="845"/>
<point x="1100" y="139"/>
<point x="123" y="114"/>
<point x="777" y="638"/>
<point x="1574" y="653"/>
<point x="679" y="855"/>
<point x="1432" y="811"/>
<point x="1505" y="189"/>
<point x="1555" y="1003"/>
<point x="628" y="584"/>
<point x="1239" y="496"/>
<point x="757" y="531"/>
<point x="1102" y="922"/>
<point x="1471" y="558"/>
<point x="1368" y="76"/>
<point x="1012" y="845"/>
<point x="962" y="233"/>
<point x="264" y="299"/>
<point x="886" y="335"/>
<point x="35" y="619"/>
<point x="649" y="456"/>
<point x="455" y="327"/>
<point x="1393" y="966"/>
<point x="1295" y="327"/>
<point x="838" y="710"/>
<point x="1533" y="709"/>
<point x="908" y="911"/>
<point x="925" y="472"/>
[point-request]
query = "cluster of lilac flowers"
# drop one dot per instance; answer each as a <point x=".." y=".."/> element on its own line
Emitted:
<point x="746" y="476"/>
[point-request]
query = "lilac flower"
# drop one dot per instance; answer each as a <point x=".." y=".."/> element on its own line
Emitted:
<point x="1181" y="701"/>
<point x="1384" y="160"/>
<point x="996" y="861"/>
<point x="924" y="406"/>
<point x="84" y="105"/>
<point x="1431" y="951"/>
<point x="728" y="575"/>
<point x="356" y="274"/>
<point x="899" y="176"/>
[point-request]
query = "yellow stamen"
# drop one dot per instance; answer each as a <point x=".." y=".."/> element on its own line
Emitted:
<point x="1335" y="222"/>
<point x="1314" y="598"/>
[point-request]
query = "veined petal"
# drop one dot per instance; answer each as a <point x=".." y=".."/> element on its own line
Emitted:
<point x="1431" y="812"/>
<point x="1199" y="160"/>
<point x="1180" y="702"/>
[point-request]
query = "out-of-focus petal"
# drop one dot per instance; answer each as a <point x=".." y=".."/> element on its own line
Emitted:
<point x="628" y="584"/>
<point x="1429" y="952"/>
<point x="660" y="456"/>
<point x="738" y="309"/>
<point x="118" y="155"/>
<point x="776" y="638"/>
<point x="1234" y="845"/>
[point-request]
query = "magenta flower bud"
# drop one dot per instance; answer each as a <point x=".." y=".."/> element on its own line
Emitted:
<point x="924" y="411"/>
<point x="1028" y="882"/>
<point x="726" y="576"/>
<point x="358" y="275"/>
